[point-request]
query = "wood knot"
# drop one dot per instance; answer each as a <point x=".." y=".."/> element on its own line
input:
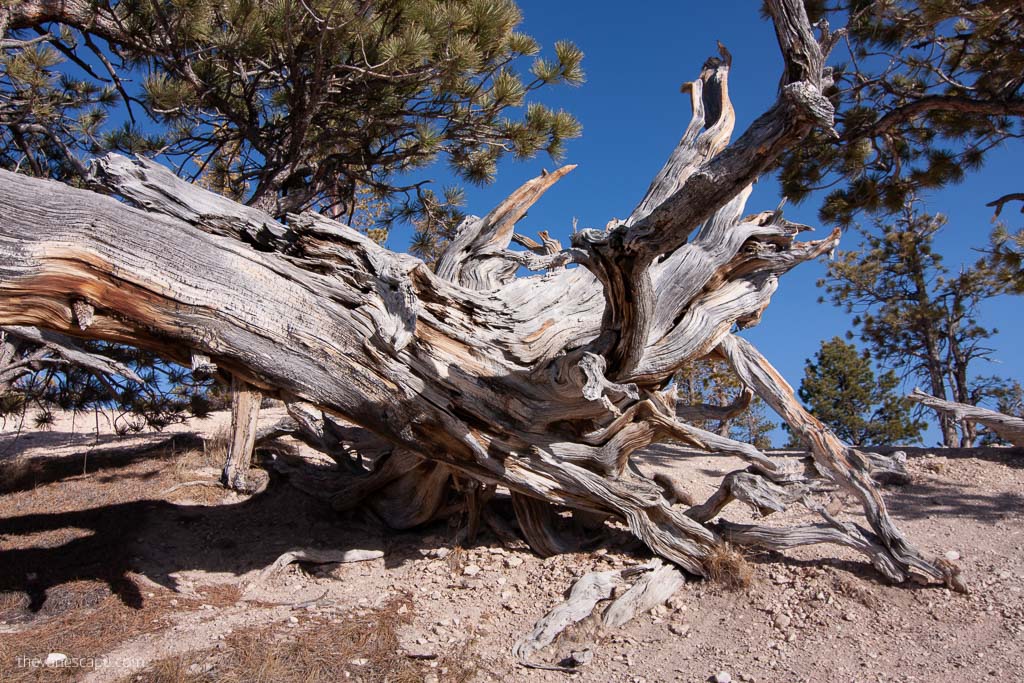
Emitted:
<point x="83" y="312"/>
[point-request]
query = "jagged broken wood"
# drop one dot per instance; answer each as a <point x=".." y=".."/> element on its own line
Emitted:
<point x="473" y="376"/>
<point x="1007" y="427"/>
<point x="653" y="584"/>
<point x="24" y="350"/>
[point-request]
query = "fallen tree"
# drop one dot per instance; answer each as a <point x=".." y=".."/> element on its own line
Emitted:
<point x="1006" y="427"/>
<point x="471" y="376"/>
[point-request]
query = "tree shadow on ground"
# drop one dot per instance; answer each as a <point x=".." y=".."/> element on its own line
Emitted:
<point x="13" y="440"/>
<point x="922" y="499"/>
<point x="42" y="554"/>
<point x="26" y="473"/>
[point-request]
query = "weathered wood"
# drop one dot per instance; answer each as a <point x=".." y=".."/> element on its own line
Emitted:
<point x="546" y="385"/>
<point x="1007" y="427"/>
<point x="656" y="582"/>
<point x="539" y="524"/>
<point x="584" y="596"/>
<point x="245" y="413"/>
<point x="311" y="556"/>
<point x="477" y="257"/>
<point x="48" y="348"/>
<point x="756" y="491"/>
<point x="702" y="412"/>
<point x="846" y="466"/>
<point x="649" y="591"/>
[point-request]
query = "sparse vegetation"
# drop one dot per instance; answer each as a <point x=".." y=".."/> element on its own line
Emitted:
<point x="728" y="567"/>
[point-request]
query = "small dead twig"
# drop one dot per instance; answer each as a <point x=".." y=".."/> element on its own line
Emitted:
<point x="212" y="483"/>
<point x="313" y="556"/>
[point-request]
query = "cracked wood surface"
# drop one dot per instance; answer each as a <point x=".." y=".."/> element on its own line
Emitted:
<point x="544" y="384"/>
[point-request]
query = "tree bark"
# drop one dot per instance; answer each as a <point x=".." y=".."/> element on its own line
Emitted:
<point x="545" y="385"/>
<point x="24" y="350"/>
<point x="245" y="413"/>
<point x="1007" y="427"/>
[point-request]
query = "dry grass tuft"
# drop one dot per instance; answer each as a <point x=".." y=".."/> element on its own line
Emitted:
<point x="213" y="454"/>
<point x="456" y="560"/>
<point x="364" y="644"/>
<point x="88" y="625"/>
<point x="728" y="567"/>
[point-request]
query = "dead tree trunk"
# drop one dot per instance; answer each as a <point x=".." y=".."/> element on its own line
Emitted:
<point x="1007" y="427"/>
<point x="245" y="413"/>
<point x="23" y="350"/>
<point x="545" y="385"/>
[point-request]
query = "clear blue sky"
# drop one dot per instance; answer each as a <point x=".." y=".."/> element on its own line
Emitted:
<point x="632" y="112"/>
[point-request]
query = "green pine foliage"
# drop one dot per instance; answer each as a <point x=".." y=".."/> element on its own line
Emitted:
<point x="925" y="90"/>
<point x="839" y="387"/>
<point x="293" y="105"/>
<point x="168" y="393"/>
<point x="325" y="105"/>
<point x="1006" y="257"/>
<point x="914" y="315"/>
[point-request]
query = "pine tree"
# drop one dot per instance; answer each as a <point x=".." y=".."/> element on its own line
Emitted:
<point x="840" y="389"/>
<point x="928" y="88"/>
<point x="291" y="106"/>
<point x="324" y="105"/>
<point x="1006" y="256"/>
<point x="914" y="315"/>
<point x="710" y="382"/>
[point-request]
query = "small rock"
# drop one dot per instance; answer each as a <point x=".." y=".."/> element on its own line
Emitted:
<point x="848" y="616"/>
<point x="471" y="570"/>
<point x="581" y="657"/>
<point x="513" y="561"/>
<point x="419" y="651"/>
<point x="723" y="677"/>
<point x="782" y="621"/>
<point x="359" y="662"/>
<point x="431" y="678"/>
<point x="952" y="555"/>
<point x="676" y="602"/>
<point x="679" y="629"/>
<point x="55" y="659"/>
<point x="293" y="620"/>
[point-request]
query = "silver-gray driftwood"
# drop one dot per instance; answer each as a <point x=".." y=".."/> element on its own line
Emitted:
<point x="472" y="377"/>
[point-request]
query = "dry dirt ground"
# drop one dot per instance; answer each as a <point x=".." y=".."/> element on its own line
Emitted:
<point x="101" y="564"/>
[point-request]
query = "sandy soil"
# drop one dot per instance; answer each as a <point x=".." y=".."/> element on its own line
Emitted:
<point x="99" y="562"/>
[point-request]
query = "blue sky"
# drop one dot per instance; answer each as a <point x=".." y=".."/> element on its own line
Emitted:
<point x="633" y="114"/>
